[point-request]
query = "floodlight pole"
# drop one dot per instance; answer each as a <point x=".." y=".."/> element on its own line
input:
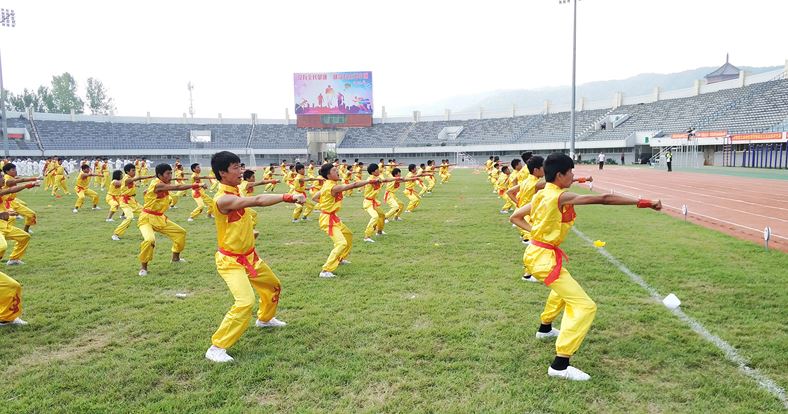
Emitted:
<point x="2" y="113"/>
<point x="574" y="69"/>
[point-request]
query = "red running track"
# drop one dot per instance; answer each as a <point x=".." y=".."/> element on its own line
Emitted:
<point x="741" y="207"/>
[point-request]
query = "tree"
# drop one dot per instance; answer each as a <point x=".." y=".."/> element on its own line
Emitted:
<point x="64" y="94"/>
<point x="28" y="98"/>
<point x="98" y="100"/>
<point x="45" y="99"/>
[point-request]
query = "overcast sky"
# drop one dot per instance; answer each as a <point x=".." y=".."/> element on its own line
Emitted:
<point x="241" y="55"/>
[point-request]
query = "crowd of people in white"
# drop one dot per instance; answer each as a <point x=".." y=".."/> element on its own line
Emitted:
<point x="28" y="167"/>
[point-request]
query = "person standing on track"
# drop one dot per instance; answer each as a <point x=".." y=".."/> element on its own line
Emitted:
<point x="601" y="160"/>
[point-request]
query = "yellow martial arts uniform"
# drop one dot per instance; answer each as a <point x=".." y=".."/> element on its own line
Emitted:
<point x="329" y="222"/>
<point x="59" y="180"/>
<point x="310" y="171"/>
<point x="152" y="220"/>
<point x="444" y="173"/>
<point x="524" y="196"/>
<point x="301" y="211"/>
<point x="411" y="193"/>
<point x="13" y="203"/>
<point x="96" y="181"/>
<point x="372" y="206"/>
<point x="430" y="179"/>
<point x="390" y="197"/>
<point x="128" y="203"/>
<point x="244" y="272"/>
<point x="10" y="298"/>
<point x="247" y="190"/>
<point x="175" y="196"/>
<point x="113" y="197"/>
<point x="82" y="189"/>
<point x="9" y="232"/>
<point x="543" y="259"/>
<point x="49" y="176"/>
<point x="200" y="197"/>
<point x="268" y="174"/>
<point x="105" y="175"/>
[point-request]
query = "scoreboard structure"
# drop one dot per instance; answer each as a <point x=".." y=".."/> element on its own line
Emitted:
<point x="333" y="99"/>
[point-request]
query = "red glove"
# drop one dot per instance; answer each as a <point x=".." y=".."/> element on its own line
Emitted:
<point x="581" y="180"/>
<point x="643" y="203"/>
<point x="288" y="198"/>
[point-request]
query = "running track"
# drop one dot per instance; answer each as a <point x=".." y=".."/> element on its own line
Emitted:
<point x="739" y="206"/>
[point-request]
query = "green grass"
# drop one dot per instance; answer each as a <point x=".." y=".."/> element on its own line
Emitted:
<point x="432" y="318"/>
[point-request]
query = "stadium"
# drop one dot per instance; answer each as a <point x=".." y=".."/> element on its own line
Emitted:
<point x="435" y="314"/>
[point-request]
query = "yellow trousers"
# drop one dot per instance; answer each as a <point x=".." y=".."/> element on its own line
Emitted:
<point x="10" y="298"/>
<point x="81" y="196"/>
<point x="268" y="188"/>
<point x="9" y="232"/>
<point x="343" y="242"/>
<point x="21" y="207"/>
<point x="49" y="181"/>
<point x="303" y="210"/>
<point x="565" y="295"/>
<point x="59" y="183"/>
<point x="128" y="211"/>
<point x="149" y="225"/>
<point x="445" y="178"/>
<point x="107" y="181"/>
<point x="202" y="201"/>
<point x="242" y="286"/>
<point x="430" y="183"/>
<point x="377" y="218"/>
<point x="396" y="206"/>
<point x="113" y="202"/>
<point x="175" y="196"/>
<point x="507" y="202"/>
<point x="415" y="199"/>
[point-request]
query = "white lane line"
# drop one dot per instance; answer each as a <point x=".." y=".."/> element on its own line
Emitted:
<point x="729" y="351"/>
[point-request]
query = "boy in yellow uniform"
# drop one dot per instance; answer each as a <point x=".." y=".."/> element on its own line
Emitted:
<point x="128" y="202"/>
<point x="502" y="186"/>
<point x="268" y="174"/>
<point x="59" y="178"/>
<point x="237" y="261"/>
<point x="12" y="202"/>
<point x="552" y="213"/>
<point x="143" y="169"/>
<point x="180" y="178"/>
<point x="96" y="181"/>
<point x="390" y="197"/>
<point x="371" y="204"/>
<point x="152" y="218"/>
<point x="246" y="189"/>
<point x="82" y="189"/>
<point x="45" y="172"/>
<point x="113" y="194"/>
<point x="10" y="297"/>
<point x="199" y="195"/>
<point x="302" y="211"/>
<point x="430" y="179"/>
<point x="329" y="200"/>
<point x="105" y="174"/>
<point x="7" y="229"/>
<point x="410" y="188"/>
<point x="310" y="169"/>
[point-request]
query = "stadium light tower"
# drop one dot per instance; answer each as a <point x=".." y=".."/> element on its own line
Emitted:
<point x="574" y="66"/>
<point x="7" y="19"/>
<point x="190" y="86"/>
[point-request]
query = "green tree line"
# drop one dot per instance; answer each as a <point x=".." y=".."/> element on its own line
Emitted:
<point x="60" y="96"/>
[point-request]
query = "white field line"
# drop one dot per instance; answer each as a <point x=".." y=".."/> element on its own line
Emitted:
<point x="692" y="213"/>
<point x="729" y="351"/>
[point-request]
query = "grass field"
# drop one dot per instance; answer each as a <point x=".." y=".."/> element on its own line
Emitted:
<point x="431" y="318"/>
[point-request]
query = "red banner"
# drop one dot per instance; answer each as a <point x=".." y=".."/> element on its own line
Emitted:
<point x="757" y="137"/>
<point x="703" y="134"/>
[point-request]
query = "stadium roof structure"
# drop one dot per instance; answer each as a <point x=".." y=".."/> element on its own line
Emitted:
<point x="723" y="73"/>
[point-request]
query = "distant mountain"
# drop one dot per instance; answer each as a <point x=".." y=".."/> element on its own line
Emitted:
<point x="502" y="100"/>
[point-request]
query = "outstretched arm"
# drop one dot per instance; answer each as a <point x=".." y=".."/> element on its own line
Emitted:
<point x="608" y="199"/>
<point x="340" y="188"/>
<point x="228" y="203"/>
<point x="18" y="188"/>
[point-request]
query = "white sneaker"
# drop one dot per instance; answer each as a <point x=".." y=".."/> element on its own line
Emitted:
<point x="571" y="373"/>
<point x="115" y="237"/>
<point x="530" y="278"/>
<point x="191" y="219"/>
<point x="526" y="242"/>
<point x="143" y="272"/>
<point x="382" y="233"/>
<point x="16" y="321"/>
<point x="294" y="221"/>
<point x="344" y="262"/>
<point x="386" y="221"/>
<point x="181" y="260"/>
<point x="216" y="354"/>
<point x="369" y="240"/>
<point x="273" y="323"/>
<point x="398" y="219"/>
<point x="75" y="211"/>
<point x="326" y="274"/>
<point x="408" y="211"/>
<point x="504" y="211"/>
<point x="544" y="335"/>
<point x="109" y="219"/>
<point x="97" y="208"/>
<point x="14" y="262"/>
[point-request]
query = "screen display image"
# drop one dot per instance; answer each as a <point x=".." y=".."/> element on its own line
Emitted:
<point x="327" y="93"/>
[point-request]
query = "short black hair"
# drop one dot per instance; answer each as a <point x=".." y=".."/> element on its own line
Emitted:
<point x="505" y="169"/>
<point x="515" y="162"/>
<point x="411" y="167"/>
<point x="299" y="166"/>
<point x="557" y="163"/>
<point x="128" y="167"/>
<point x="325" y="169"/>
<point x="496" y="158"/>
<point x="526" y="155"/>
<point x="117" y="175"/>
<point x="85" y="167"/>
<point x="162" y="168"/>
<point x="372" y="168"/>
<point x="248" y="174"/>
<point x="193" y="166"/>
<point x="395" y="172"/>
<point x="534" y="163"/>
<point x="8" y="167"/>
<point x="221" y="161"/>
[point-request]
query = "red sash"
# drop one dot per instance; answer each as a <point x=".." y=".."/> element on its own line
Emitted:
<point x="332" y="219"/>
<point x="243" y="261"/>
<point x="80" y="188"/>
<point x="375" y="202"/>
<point x="386" y="196"/>
<point x="559" y="257"/>
<point x="126" y="198"/>
<point x="155" y="213"/>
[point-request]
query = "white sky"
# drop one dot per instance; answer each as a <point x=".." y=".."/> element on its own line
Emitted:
<point x="241" y="55"/>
